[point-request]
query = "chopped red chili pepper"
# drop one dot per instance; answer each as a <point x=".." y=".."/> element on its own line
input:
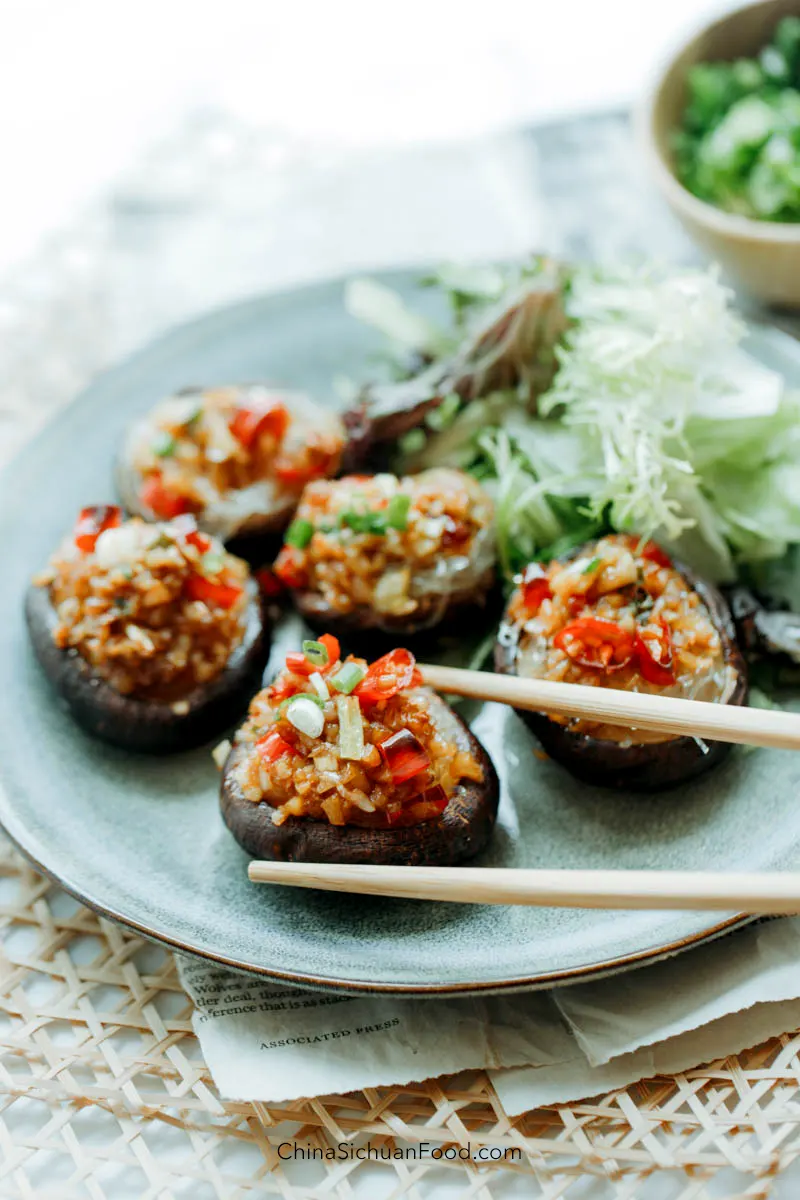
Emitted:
<point x="649" y="550"/>
<point x="298" y="664"/>
<point x="92" y="522"/>
<point x="435" y="796"/>
<point x="594" y="642"/>
<point x="250" y="421"/>
<point x="331" y="644"/>
<point x="535" y="588"/>
<point x="272" y="746"/>
<point x="298" y="470"/>
<point x="404" y="755"/>
<point x="187" y="527"/>
<point x="161" y="501"/>
<point x="295" y="475"/>
<point x="282" y="690"/>
<point x="223" y="595"/>
<point x="199" y="541"/>
<point x="427" y="805"/>
<point x="454" y="533"/>
<point x="268" y="582"/>
<point x="289" y="568"/>
<point x="655" y="554"/>
<point x="387" y="676"/>
<point x="654" y="654"/>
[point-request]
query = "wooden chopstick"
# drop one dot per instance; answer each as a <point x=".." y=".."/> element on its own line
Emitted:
<point x="665" y="714"/>
<point x="744" y="892"/>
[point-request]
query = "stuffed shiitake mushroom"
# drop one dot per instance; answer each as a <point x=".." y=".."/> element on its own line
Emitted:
<point x="621" y="614"/>
<point x="378" y="553"/>
<point x="236" y="457"/>
<point x="350" y="762"/>
<point x="153" y="634"/>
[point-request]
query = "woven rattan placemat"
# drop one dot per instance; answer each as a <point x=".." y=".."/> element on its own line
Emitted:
<point x="103" y="1091"/>
<point x="105" y="1094"/>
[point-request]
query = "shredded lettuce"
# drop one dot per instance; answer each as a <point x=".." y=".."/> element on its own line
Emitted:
<point x="692" y="434"/>
<point x="657" y="422"/>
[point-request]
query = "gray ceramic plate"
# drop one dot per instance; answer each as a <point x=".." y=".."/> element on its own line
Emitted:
<point x="141" y="839"/>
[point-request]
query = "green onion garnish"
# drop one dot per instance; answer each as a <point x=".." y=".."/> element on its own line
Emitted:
<point x="306" y="715"/>
<point x="591" y="566"/>
<point x="397" y="511"/>
<point x="364" y="522"/>
<point x="312" y="696"/>
<point x="348" y="677"/>
<point x="211" y="563"/>
<point x="163" y="444"/>
<point x="316" y="653"/>
<point x="299" y="534"/>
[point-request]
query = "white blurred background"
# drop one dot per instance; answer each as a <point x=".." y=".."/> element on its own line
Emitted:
<point x="85" y="85"/>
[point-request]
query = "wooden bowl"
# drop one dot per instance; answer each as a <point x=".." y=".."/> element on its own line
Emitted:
<point x="762" y="256"/>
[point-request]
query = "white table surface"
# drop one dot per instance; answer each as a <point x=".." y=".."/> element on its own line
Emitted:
<point x="85" y="85"/>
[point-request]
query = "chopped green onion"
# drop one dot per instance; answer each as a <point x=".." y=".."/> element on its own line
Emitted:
<point x="299" y="534"/>
<point x="306" y="715"/>
<point x="364" y="522"/>
<point x="212" y="562"/>
<point x="397" y="511"/>
<point x="163" y="444"/>
<point x="320" y="686"/>
<point x="125" y="571"/>
<point x="284" y="704"/>
<point x="348" y="676"/>
<point x="351" y="727"/>
<point x="445" y="413"/>
<point x="591" y="566"/>
<point x="316" y="653"/>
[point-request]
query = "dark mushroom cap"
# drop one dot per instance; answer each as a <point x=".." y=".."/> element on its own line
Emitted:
<point x="455" y="611"/>
<point x="646" y="766"/>
<point x="151" y="726"/>
<point x="462" y="830"/>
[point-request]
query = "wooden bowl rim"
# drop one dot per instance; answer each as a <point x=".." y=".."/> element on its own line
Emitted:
<point x="729" y="225"/>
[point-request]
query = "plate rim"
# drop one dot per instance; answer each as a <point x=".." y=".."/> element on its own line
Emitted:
<point x="356" y="987"/>
<point x="192" y="327"/>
